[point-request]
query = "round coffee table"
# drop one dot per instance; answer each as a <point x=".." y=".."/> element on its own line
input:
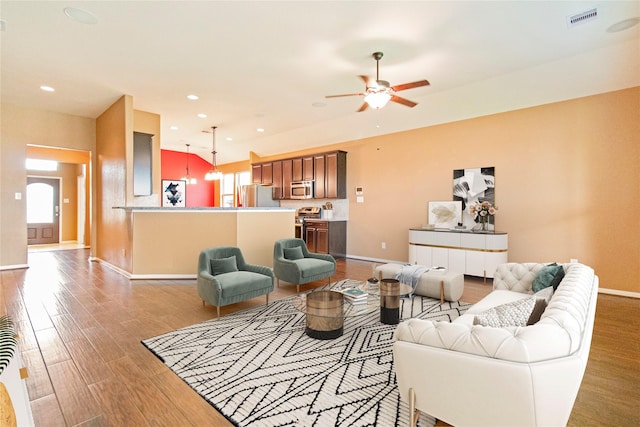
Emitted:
<point x="326" y="310"/>
<point x="389" y="291"/>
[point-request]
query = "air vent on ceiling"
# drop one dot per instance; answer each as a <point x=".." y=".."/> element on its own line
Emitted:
<point x="581" y="18"/>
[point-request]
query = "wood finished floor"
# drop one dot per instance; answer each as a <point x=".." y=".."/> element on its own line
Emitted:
<point x="80" y="327"/>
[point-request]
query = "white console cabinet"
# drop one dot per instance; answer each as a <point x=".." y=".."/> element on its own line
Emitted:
<point x="471" y="253"/>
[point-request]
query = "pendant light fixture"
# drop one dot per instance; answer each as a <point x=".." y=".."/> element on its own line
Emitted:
<point x="214" y="174"/>
<point x="188" y="178"/>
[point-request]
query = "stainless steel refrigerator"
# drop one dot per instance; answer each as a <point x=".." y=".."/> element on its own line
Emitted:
<point x="255" y="195"/>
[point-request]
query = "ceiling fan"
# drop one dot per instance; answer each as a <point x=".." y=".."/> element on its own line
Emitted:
<point x="378" y="92"/>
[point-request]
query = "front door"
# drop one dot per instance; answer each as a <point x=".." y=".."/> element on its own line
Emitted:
<point x="43" y="210"/>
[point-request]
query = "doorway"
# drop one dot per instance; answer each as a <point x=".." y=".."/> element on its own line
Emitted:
<point x="43" y="210"/>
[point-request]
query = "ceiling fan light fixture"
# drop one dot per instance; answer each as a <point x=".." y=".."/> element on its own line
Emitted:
<point x="377" y="99"/>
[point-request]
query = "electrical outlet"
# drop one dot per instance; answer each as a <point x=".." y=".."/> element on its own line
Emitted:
<point x="573" y="260"/>
<point x="384" y="245"/>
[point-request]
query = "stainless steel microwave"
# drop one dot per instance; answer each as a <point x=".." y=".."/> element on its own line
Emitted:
<point x="302" y="190"/>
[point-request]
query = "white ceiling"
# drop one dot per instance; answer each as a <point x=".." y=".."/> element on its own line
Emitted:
<point x="270" y="64"/>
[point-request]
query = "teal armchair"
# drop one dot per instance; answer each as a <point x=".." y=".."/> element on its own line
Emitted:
<point x="224" y="277"/>
<point x="293" y="263"/>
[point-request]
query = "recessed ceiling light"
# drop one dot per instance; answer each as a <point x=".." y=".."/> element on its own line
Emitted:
<point x="173" y="127"/>
<point x="81" y="16"/>
<point x="193" y="97"/>
<point x="47" y="88"/>
<point x="623" y="25"/>
<point x="202" y="115"/>
<point x="229" y="138"/>
<point x="260" y="130"/>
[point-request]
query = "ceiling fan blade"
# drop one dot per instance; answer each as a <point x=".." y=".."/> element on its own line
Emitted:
<point x="367" y="80"/>
<point x="406" y="86"/>
<point x="346" y="94"/>
<point x="363" y="107"/>
<point x="403" y="101"/>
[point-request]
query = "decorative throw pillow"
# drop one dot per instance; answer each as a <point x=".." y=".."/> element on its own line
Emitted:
<point x="538" y="309"/>
<point x="223" y="265"/>
<point x="547" y="276"/>
<point x="557" y="278"/>
<point x="544" y="294"/>
<point x="515" y="313"/>
<point x="293" y="253"/>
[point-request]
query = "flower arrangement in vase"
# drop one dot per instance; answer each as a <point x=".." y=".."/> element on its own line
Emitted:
<point x="481" y="211"/>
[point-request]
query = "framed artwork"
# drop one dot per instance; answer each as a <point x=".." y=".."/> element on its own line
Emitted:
<point x="471" y="186"/>
<point x="174" y="193"/>
<point x="445" y="214"/>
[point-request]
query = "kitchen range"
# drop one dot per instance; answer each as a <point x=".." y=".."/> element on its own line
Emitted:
<point x="302" y="214"/>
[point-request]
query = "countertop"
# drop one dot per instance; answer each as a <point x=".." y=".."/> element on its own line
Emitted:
<point x="457" y="230"/>
<point x="206" y="209"/>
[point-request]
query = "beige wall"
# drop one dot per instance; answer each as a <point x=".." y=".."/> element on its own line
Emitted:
<point x="21" y="127"/>
<point x="114" y="133"/>
<point x="567" y="180"/>
<point x="567" y="183"/>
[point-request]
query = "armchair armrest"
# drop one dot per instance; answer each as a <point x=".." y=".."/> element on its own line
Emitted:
<point x="260" y="269"/>
<point x="324" y="257"/>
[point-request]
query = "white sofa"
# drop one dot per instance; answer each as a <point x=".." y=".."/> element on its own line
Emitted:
<point x="471" y="375"/>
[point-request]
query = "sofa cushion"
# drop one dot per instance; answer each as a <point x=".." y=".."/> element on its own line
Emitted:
<point x="241" y="282"/>
<point x="223" y="265"/>
<point x="515" y="313"/>
<point x="310" y="267"/>
<point x="293" y="253"/>
<point x="549" y="275"/>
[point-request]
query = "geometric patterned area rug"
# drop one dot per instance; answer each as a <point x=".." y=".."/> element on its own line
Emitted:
<point x="259" y="368"/>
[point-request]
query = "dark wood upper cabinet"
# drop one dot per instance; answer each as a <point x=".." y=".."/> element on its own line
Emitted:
<point x="308" y="172"/>
<point x="296" y="173"/>
<point x="287" y="177"/>
<point x="336" y="175"/>
<point x="256" y="174"/>
<point x="267" y="173"/>
<point x="277" y="180"/>
<point x="319" y="176"/>
<point x="328" y="171"/>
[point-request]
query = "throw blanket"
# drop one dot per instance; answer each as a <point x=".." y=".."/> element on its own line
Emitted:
<point x="410" y="274"/>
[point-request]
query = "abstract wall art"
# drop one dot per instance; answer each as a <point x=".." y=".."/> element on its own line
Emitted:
<point x="471" y="186"/>
<point x="174" y="193"/>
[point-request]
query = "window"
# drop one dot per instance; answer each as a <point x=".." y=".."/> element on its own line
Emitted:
<point x="41" y="165"/>
<point x="39" y="203"/>
<point x="229" y="187"/>
<point x="227" y="195"/>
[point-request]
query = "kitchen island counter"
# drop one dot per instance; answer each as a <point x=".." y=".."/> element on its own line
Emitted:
<point x="164" y="243"/>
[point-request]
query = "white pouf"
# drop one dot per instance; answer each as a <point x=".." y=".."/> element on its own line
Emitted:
<point x="445" y="285"/>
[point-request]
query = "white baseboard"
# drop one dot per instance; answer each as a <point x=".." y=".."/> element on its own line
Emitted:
<point x="380" y="260"/>
<point x="619" y="293"/>
<point x="14" y="267"/>
<point x="144" y="276"/>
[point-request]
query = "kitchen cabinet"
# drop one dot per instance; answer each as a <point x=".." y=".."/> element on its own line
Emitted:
<point x="296" y="169"/>
<point x="474" y="254"/>
<point x="328" y="171"/>
<point x="336" y="175"/>
<point x="277" y="192"/>
<point x="287" y="177"/>
<point x="256" y="174"/>
<point x="267" y="173"/>
<point x="326" y="237"/>
<point x="308" y="169"/>
<point x="319" y="176"/>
